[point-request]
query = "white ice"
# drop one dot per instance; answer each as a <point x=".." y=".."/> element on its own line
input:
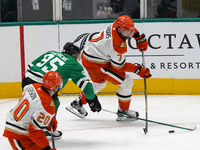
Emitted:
<point x="100" y="131"/>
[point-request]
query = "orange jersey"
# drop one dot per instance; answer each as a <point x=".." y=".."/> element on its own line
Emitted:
<point x="108" y="49"/>
<point x="30" y="116"/>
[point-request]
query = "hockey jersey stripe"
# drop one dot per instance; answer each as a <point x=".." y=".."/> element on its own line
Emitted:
<point x="8" y="123"/>
<point x="82" y="84"/>
<point x="35" y="74"/>
<point x="17" y="132"/>
<point x="119" y="64"/>
<point x="112" y="74"/>
<point x="36" y="125"/>
<point x="99" y="38"/>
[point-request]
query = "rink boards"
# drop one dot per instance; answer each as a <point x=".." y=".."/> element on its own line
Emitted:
<point x="172" y="55"/>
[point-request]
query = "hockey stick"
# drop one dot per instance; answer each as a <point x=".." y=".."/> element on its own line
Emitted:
<point x="52" y="137"/>
<point x="145" y="92"/>
<point x="156" y="122"/>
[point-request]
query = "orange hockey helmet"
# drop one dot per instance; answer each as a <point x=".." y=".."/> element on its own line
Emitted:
<point x="52" y="80"/>
<point x="125" y="22"/>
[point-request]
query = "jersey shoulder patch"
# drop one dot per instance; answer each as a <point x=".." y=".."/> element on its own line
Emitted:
<point x="46" y="100"/>
<point x="119" y="44"/>
<point x="123" y="45"/>
<point x="52" y="104"/>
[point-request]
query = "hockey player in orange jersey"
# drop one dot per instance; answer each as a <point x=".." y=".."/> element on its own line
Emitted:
<point x="33" y="112"/>
<point x="104" y="59"/>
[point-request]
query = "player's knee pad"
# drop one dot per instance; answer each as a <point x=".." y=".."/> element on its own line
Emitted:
<point x="125" y="89"/>
<point x="98" y="86"/>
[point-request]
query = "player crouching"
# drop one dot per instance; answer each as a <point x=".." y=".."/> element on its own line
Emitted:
<point x="34" y="112"/>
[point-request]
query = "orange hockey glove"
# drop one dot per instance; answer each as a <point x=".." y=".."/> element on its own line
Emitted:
<point x="141" y="43"/>
<point x="54" y="123"/>
<point x="141" y="71"/>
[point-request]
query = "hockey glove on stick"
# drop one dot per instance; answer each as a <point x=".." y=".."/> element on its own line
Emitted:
<point x="54" y="123"/>
<point x="141" y="43"/>
<point x="94" y="104"/>
<point x="141" y="71"/>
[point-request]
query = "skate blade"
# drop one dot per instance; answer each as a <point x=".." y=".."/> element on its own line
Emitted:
<point x="125" y="119"/>
<point x="71" y="109"/>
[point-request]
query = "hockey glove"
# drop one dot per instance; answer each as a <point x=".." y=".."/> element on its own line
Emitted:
<point x="54" y="123"/>
<point x="141" y="71"/>
<point x="94" y="104"/>
<point x="141" y="43"/>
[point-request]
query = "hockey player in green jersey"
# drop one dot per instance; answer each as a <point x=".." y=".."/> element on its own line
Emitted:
<point x="66" y="64"/>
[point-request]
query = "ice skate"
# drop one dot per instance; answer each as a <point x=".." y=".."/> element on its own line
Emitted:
<point x="77" y="109"/>
<point x="127" y="115"/>
<point x="57" y="135"/>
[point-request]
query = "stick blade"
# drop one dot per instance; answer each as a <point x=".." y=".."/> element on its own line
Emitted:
<point x="192" y="127"/>
<point x="145" y="130"/>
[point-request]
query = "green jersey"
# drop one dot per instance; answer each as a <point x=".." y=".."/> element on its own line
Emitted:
<point x="66" y="65"/>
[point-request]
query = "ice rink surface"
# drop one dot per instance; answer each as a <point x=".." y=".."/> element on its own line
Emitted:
<point x="101" y="131"/>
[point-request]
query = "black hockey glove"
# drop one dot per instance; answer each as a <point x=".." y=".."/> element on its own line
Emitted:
<point x="94" y="104"/>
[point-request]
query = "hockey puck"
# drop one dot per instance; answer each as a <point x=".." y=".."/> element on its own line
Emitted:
<point x="171" y="131"/>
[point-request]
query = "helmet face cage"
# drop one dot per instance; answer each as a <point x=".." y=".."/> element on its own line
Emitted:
<point x="125" y="33"/>
<point x="70" y="48"/>
<point x="52" y="80"/>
